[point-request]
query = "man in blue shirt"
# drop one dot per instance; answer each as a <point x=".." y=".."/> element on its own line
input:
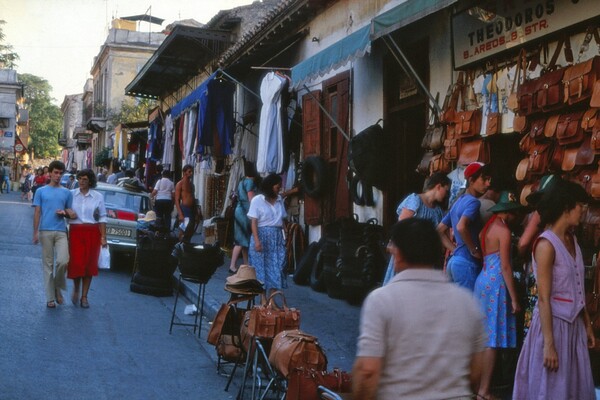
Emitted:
<point x="465" y="220"/>
<point x="52" y="204"/>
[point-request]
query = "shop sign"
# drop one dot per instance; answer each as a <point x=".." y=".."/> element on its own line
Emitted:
<point x="497" y="25"/>
<point x="84" y="138"/>
<point x="6" y="134"/>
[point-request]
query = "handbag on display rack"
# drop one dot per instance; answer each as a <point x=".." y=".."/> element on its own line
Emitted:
<point x="268" y="320"/>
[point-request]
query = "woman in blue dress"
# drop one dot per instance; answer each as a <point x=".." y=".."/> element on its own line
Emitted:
<point x="495" y="288"/>
<point x="427" y="205"/>
<point x="241" y="234"/>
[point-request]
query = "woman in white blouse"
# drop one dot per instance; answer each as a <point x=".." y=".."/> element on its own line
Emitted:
<point x="163" y="193"/>
<point x="87" y="232"/>
<point x="267" y="245"/>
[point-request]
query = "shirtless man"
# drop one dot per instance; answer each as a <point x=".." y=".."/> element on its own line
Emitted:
<point x="185" y="202"/>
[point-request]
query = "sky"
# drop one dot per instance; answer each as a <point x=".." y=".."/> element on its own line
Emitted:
<point x="58" y="39"/>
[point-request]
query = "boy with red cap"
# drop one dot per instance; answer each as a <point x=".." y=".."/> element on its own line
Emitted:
<point x="465" y="220"/>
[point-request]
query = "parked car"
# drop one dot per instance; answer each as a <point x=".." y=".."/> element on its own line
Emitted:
<point x="123" y="208"/>
<point x="64" y="179"/>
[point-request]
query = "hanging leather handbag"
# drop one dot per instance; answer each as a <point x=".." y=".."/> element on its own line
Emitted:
<point x="579" y="80"/>
<point x="526" y="191"/>
<point x="296" y="349"/>
<point x="468" y="123"/>
<point x="569" y="159"/>
<point x="595" y="141"/>
<point x="556" y="161"/>
<point x="513" y="99"/>
<point x="537" y="129"/>
<point x="551" y="125"/>
<point x="303" y="383"/>
<point x="589" y="119"/>
<point x="450" y="106"/>
<point x="439" y="164"/>
<point x="568" y="131"/>
<point x="539" y="157"/>
<point x="423" y="167"/>
<point x="220" y="319"/>
<point x="434" y="134"/>
<point x="521" y="171"/>
<point x="526" y="143"/>
<point x="268" y="320"/>
<point x="451" y="149"/>
<point x="520" y="123"/>
<point x="549" y="91"/>
<point x="474" y="150"/>
<point x="585" y="153"/>
<point x="492" y="126"/>
<point x="595" y="100"/>
<point x="526" y="95"/>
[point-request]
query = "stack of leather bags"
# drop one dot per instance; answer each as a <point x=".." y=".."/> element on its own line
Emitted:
<point x="244" y="282"/>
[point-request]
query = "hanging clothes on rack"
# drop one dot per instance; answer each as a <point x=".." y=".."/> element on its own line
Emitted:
<point x="167" y="157"/>
<point x="270" y="137"/>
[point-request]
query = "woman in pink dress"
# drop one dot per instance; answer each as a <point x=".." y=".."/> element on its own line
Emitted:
<point x="554" y="362"/>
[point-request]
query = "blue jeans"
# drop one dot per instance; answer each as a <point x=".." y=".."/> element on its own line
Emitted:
<point x="6" y="179"/>
<point x="463" y="271"/>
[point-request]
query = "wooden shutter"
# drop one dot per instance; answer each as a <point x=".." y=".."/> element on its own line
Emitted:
<point x="311" y="142"/>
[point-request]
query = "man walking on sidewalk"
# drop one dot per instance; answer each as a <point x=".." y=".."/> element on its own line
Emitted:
<point x="3" y="177"/>
<point x="421" y="336"/>
<point x="52" y="204"/>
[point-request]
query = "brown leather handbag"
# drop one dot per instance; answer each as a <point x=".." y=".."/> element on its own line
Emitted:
<point x="589" y="119"/>
<point x="492" y="126"/>
<point x="549" y="91"/>
<point x="551" y="125"/>
<point x="568" y="130"/>
<point x="521" y="171"/>
<point x="468" y="123"/>
<point x="439" y="164"/>
<point x="569" y="158"/>
<point x="453" y="96"/>
<point x="474" y="150"/>
<point x="268" y="320"/>
<point x="451" y="149"/>
<point x="434" y="137"/>
<point x="556" y="160"/>
<point x="223" y="316"/>
<point x="585" y="153"/>
<point x="520" y="123"/>
<point x="595" y="100"/>
<point x="303" y="383"/>
<point x="537" y="129"/>
<point x="296" y="349"/>
<point x="579" y="80"/>
<point x="595" y="141"/>
<point x="526" y="143"/>
<point x="539" y="157"/>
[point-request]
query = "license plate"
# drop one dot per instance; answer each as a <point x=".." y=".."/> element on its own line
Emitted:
<point x="118" y="231"/>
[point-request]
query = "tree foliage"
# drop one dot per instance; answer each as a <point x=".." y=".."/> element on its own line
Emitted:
<point x="45" y="118"/>
<point x="131" y="111"/>
<point x="8" y="58"/>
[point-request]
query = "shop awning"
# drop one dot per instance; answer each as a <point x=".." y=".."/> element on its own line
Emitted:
<point x="351" y="47"/>
<point x="179" y="58"/>
<point x="405" y="14"/>
<point x="194" y="97"/>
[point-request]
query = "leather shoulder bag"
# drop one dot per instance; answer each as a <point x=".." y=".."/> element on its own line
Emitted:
<point x="296" y="349"/>
<point x="568" y="131"/>
<point x="268" y="320"/>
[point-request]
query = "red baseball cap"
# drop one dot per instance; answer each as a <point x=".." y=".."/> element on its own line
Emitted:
<point x="472" y="169"/>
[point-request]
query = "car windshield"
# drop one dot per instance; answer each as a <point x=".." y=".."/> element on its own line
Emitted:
<point x="121" y="200"/>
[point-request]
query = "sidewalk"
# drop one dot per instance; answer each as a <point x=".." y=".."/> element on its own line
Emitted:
<point x="333" y="322"/>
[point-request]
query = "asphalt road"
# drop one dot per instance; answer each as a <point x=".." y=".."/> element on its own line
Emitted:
<point x="119" y="348"/>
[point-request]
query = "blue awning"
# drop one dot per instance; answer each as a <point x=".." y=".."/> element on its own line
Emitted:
<point x="201" y="92"/>
<point x="405" y="14"/>
<point x="351" y="47"/>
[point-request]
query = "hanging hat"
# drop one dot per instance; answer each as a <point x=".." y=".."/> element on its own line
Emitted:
<point x="472" y="169"/>
<point x="507" y="202"/>
<point x="244" y="274"/>
<point x="545" y="183"/>
<point x="150" y="216"/>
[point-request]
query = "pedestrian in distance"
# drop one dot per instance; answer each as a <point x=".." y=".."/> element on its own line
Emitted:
<point x="427" y="205"/>
<point x="464" y="219"/>
<point x="267" y="245"/>
<point x="554" y="362"/>
<point x="495" y="288"/>
<point x="163" y="195"/>
<point x="6" y="171"/>
<point x="242" y="228"/>
<point x="421" y="336"/>
<point x="87" y="233"/>
<point x="188" y="209"/>
<point x="53" y="203"/>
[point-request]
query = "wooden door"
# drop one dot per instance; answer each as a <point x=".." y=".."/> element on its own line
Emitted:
<point x="311" y="140"/>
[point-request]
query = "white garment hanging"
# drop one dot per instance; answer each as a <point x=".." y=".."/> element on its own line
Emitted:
<point x="270" y="140"/>
<point x="167" y="158"/>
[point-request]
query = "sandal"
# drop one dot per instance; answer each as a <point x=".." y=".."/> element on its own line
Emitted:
<point x="51" y="304"/>
<point x="231" y="271"/>
<point x="84" y="303"/>
<point x="59" y="297"/>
